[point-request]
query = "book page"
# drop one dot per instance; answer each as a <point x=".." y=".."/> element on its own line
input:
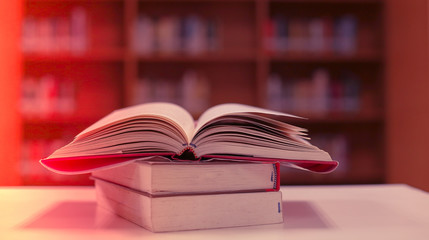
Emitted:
<point x="169" y="112"/>
<point x="229" y="108"/>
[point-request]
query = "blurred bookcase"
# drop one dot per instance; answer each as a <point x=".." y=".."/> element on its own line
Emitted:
<point x="320" y="59"/>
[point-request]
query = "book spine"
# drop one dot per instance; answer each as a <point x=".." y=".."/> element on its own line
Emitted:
<point x="275" y="178"/>
<point x="188" y="153"/>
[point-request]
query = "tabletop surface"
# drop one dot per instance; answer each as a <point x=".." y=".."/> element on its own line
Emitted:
<point x="310" y="212"/>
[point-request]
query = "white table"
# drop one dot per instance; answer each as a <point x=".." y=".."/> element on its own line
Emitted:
<point x="311" y="212"/>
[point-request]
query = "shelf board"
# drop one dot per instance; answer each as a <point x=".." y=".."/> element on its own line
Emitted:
<point x="326" y="1"/>
<point x="293" y="178"/>
<point x="335" y="118"/>
<point x="285" y="1"/>
<point x="53" y="179"/>
<point x="53" y="128"/>
<point x="58" y="121"/>
<point x="205" y="57"/>
<point x="198" y="1"/>
<point x="120" y="55"/>
<point x="308" y="118"/>
<point x="339" y="176"/>
<point x="370" y="57"/>
<point x="72" y="1"/>
<point x="93" y="55"/>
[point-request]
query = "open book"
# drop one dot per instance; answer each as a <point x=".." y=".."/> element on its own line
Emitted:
<point x="224" y="132"/>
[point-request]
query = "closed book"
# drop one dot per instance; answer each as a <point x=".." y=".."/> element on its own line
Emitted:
<point x="158" y="177"/>
<point x="190" y="212"/>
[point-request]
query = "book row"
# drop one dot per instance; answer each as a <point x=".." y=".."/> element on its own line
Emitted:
<point x="338" y="146"/>
<point x="312" y="35"/>
<point x="192" y="34"/>
<point x="56" y="34"/>
<point x="32" y="150"/>
<point x="170" y="34"/>
<point x="47" y="96"/>
<point x="316" y="94"/>
<point x="192" y="91"/>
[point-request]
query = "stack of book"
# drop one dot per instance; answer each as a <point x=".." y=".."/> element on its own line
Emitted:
<point x="218" y="164"/>
<point x="169" y="196"/>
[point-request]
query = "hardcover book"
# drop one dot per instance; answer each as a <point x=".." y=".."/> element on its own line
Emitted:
<point x="160" y="177"/>
<point x="190" y="212"/>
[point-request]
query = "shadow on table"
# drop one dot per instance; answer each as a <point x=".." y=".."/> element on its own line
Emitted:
<point x="87" y="215"/>
<point x="76" y="215"/>
<point x="302" y="214"/>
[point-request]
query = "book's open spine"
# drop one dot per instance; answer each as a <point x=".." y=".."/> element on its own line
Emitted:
<point x="188" y="153"/>
<point x="275" y="177"/>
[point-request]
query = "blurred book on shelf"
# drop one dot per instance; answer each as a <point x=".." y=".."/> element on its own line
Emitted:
<point x="311" y="35"/>
<point x="47" y="96"/>
<point x="190" y="34"/>
<point x="318" y="94"/>
<point x="32" y="173"/>
<point x="192" y="91"/>
<point x="54" y="34"/>
<point x="338" y="146"/>
<point x="32" y="150"/>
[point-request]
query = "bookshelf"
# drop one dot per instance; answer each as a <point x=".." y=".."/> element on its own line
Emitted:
<point x="321" y="59"/>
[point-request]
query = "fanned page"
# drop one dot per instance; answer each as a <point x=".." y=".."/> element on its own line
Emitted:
<point x="245" y="131"/>
<point x="172" y="113"/>
<point x="234" y="108"/>
<point x="145" y="128"/>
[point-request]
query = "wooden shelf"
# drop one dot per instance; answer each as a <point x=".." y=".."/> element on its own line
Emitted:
<point x="54" y="179"/>
<point x="238" y="68"/>
<point x="58" y="120"/>
<point x="281" y="1"/>
<point x="73" y="1"/>
<point x="339" y="118"/>
<point x="326" y="58"/>
<point x="198" y="58"/>
<point x="326" y="1"/>
<point x="199" y="1"/>
<point x="93" y="55"/>
<point x="295" y="178"/>
<point x="286" y="57"/>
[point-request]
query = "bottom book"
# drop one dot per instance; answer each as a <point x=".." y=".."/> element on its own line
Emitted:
<point x="190" y="212"/>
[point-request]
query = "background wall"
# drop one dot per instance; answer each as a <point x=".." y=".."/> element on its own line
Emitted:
<point x="10" y="77"/>
<point x="407" y="92"/>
